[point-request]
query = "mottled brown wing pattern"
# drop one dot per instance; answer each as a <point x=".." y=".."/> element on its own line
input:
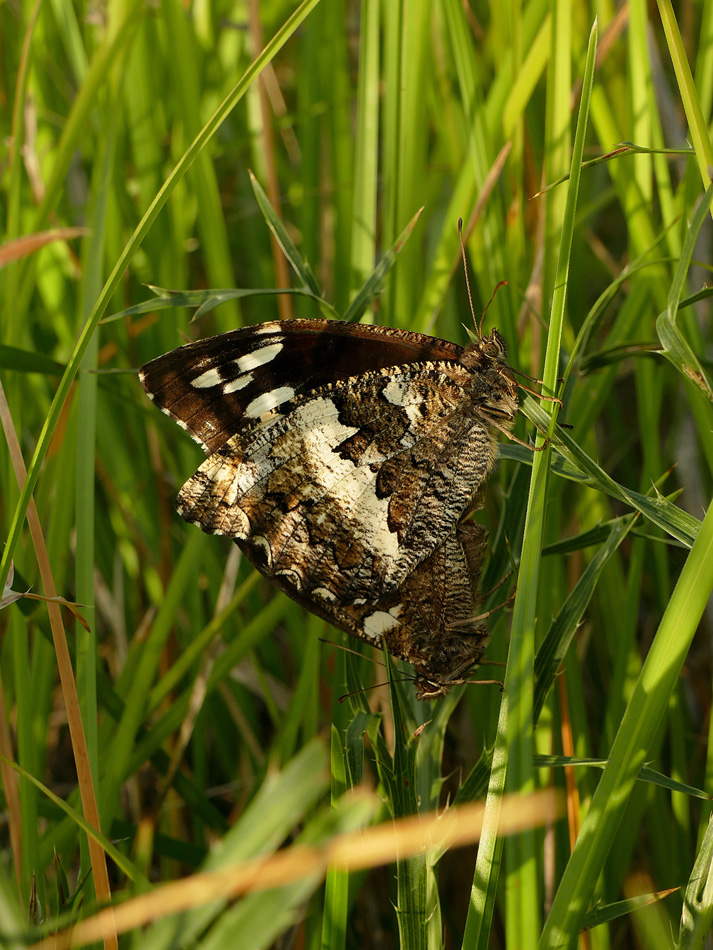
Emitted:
<point x="348" y="491"/>
<point x="430" y="621"/>
<point x="212" y="387"/>
<point x="344" y="461"/>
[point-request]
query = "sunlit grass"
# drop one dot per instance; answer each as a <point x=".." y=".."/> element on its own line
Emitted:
<point x="212" y="727"/>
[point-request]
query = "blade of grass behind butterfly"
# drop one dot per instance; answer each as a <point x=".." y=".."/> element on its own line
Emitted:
<point x="347" y="760"/>
<point x="503" y="102"/>
<point x="554" y="647"/>
<point x="429" y="749"/>
<point x="520" y="850"/>
<point x="275" y="224"/>
<point x="261" y="917"/>
<point x="676" y="347"/>
<point x="697" y="915"/>
<point x="646" y="774"/>
<point x="285" y="799"/>
<point x="336" y="885"/>
<point x="93" y="252"/>
<point x="25" y="361"/>
<point x="209" y="299"/>
<point x="417" y="911"/>
<point x="373" y="286"/>
<point x="134" y="242"/>
<point x="406" y="121"/>
<point x="337" y="62"/>
<point x="676" y="522"/>
<point x="302" y="709"/>
<point x="635" y="736"/>
<point x="185" y="73"/>
<point x="366" y="150"/>
<point x="696" y="121"/>
<point x="74" y="129"/>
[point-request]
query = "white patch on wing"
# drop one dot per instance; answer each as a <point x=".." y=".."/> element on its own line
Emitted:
<point x="380" y="622"/>
<point x="293" y="576"/>
<point x="233" y="483"/>
<point x="207" y="380"/>
<point x="321" y="593"/>
<point x="259" y="357"/>
<point x="235" y="384"/>
<point x="399" y="392"/>
<point x="268" y="327"/>
<point x="265" y="402"/>
<point x="338" y="481"/>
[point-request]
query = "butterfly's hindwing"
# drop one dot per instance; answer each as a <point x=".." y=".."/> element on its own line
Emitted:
<point x="429" y="621"/>
<point x="346" y="490"/>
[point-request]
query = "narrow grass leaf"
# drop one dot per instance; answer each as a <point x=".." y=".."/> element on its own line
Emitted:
<point x="697" y="125"/>
<point x="274" y="223"/>
<point x="374" y="283"/>
<point x="603" y="913"/>
<point x="646" y="774"/>
<point x="558" y="638"/>
<point x="640" y="723"/>
<point x="121" y="861"/>
<point x="676" y="348"/>
<point x="697" y="915"/>
<point x="674" y="521"/>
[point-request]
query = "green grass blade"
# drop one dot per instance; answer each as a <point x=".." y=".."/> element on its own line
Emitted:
<point x="519" y="679"/>
<point x="275" y="224"/>
<point x="697" y="916"/>
<point x="697" y="124"/>
<point x="197" y="146"/>
<point x="641" y="720"/>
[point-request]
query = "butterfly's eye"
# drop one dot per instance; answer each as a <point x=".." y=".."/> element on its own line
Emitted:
<point x="494" y="346"/>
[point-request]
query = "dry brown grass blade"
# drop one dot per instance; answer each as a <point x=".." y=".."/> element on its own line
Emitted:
<point x="69" y="685"/>
<point x="352" y="851"/>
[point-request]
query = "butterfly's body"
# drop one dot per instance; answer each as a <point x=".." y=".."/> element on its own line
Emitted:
<point x="348" y="479"/>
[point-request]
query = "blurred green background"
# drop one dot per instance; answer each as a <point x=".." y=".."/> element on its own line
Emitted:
<point x="214" y="731"/>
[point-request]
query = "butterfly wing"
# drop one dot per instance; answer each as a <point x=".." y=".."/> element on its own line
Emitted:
<point x="430" y="621"/>
<point x="346" y="490"/>
<point x="213" y="387"/>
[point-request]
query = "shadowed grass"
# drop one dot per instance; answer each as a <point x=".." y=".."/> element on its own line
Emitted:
<point x="209" y="704"/>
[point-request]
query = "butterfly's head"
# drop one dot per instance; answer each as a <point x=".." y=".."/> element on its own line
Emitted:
<point x="483" y="349"/>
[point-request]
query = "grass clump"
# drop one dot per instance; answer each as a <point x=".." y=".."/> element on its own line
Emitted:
<point x="184" y="718"/>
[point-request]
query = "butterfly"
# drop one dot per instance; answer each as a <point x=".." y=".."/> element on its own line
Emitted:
<point x="345" y="461"/>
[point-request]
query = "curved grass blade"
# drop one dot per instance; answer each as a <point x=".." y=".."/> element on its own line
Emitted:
<point x="275" y="224"/>
<point x="374" y="284"/>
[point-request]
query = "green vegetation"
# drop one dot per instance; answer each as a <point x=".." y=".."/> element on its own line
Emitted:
<point x="185" y="702"/>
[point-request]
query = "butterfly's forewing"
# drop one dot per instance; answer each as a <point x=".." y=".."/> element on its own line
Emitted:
<point x="214" y="386"/>
<point x="347" y="489"/>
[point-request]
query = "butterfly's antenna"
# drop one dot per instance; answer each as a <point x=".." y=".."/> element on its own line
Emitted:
<point x="502" y="283"/>
<point x="355" y="692"/>
<point x="467" y="282"/>
<point x="340" y="646"/>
